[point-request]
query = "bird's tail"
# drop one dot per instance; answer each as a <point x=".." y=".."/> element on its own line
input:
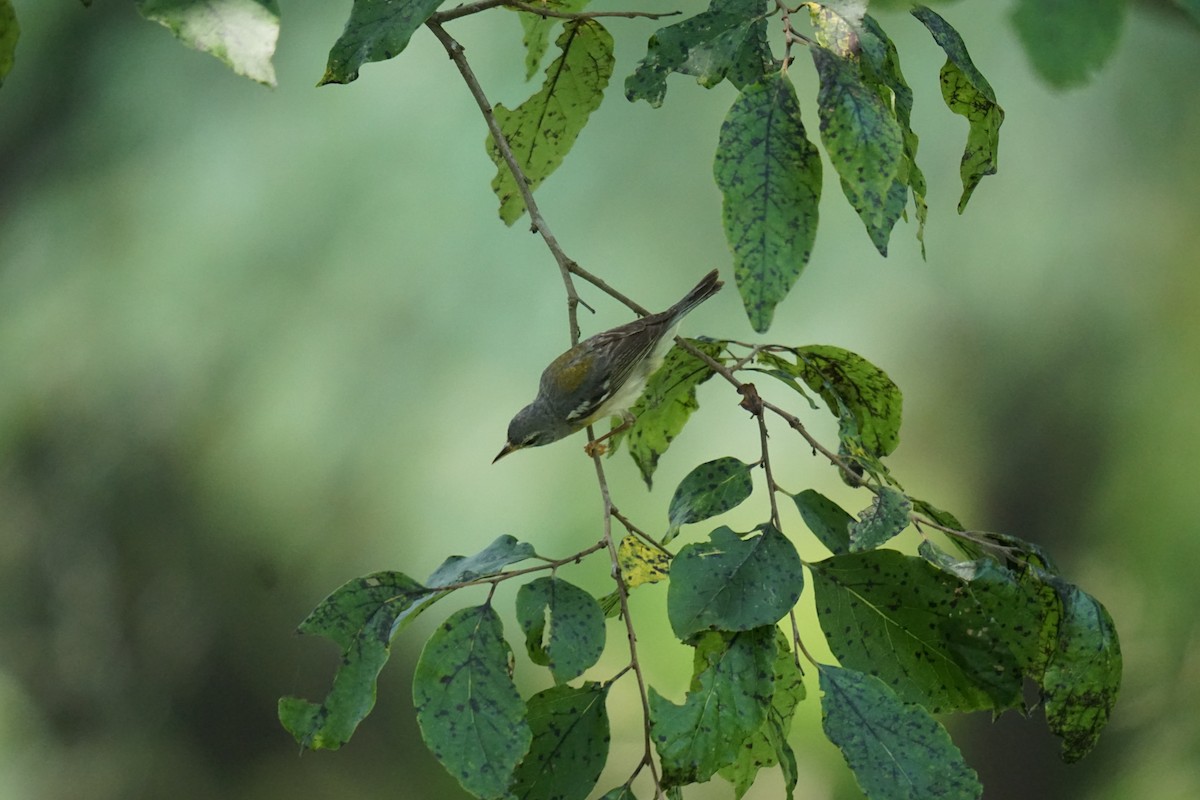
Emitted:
<point x="706" y="288"/>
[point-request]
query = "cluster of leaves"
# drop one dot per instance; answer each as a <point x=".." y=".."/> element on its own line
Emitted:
<point x="914" y="635"/>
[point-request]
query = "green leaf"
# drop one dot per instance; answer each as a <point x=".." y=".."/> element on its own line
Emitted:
<point x="570" y="744"/>
<point x="733" y="584"/>
<point x="769" y="174"/>
<point x="881" y="68"/>
<point x="537" y="30"/>
<point x="710" y="489"/>
<point x="828" y="521"/>
<point x="1068" y="40"/>
<point x="1191" y="8"/>
<point x="864" y="141"/>
<point x="377" y="30"/>
<point x="575" y="640"/>
<point x="728" y="700"/>
<point x="665" y="405"/>
<point x="468" y="709"/>
<point x="542" y="130"/>
<point x="729" y="40"/>
<point x="856" y="391"/>
<point x="1083" y="676"/>
<point x="769" y="746"/>
<point x="896" y="751"/>
<point x="619" y="793"/>
<point x="362" y="617"/>
<point x="10" y="32"/>
<point x="968" y="94"/>
<point x="359" y="617"/>
<point x="886" y="517"/>
<point x="934" y="638"/>
<point x="241" y="33"/>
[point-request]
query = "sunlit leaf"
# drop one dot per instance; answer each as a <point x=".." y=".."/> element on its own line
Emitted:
<point x="896" y="750"/>
<point x="828" y="521"/>
<point x="727" y="702"/>
<point x="769" y="175"/>
<point x="469" y="712"/>
<point x="542" y="130"/>
<point x="710" y="489"/>
<point x="1068" y="40"/>
<point x="241" y="33"/>
<point x="563" y="624"/>
<point x="666" y="404"/>
<point x="728" y="40"/>
<point x="967" y="93"/>
<point x="733" y="584"/>
<point x="570" y="744"/>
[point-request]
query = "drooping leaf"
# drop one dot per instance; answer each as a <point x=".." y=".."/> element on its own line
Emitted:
<point x="10" y="32"/>
<point x="570" y="744"/>
<point x="934" y="638"/>
<point x="537" y="30"/>
<point x="1084" y="672"/>
<point x="362" y="617"/>
<point x="563" y="624"/>
<point x="896" y="750"/>
<point x="733" y="584"/>
<point x="864" y="141"/>
<point x="886" y="517"/>
<point x="769" y="746"/>
<point x="542" y="129"/>
<point x="968" y="94"/>
<point x="710" y="489"/>
<point x="769" y="174"/>
<point x="377" y="30"/>
<point x="665" y="405"/>
<point x="728" y="701"/>
<point x="469" y="712"/>
<point x="359" y="617"/>
<point x="828" y="521"/>
<point x="241" y="33"/>
<point x="881" y="68"/>
<point x="728" y="40"/>
<point x="1068" y="40"/>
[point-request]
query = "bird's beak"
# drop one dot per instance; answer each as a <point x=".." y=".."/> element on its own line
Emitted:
<point x="508" y="448"/>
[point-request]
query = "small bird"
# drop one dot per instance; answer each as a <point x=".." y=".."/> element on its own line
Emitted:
<point x="602" y="376"/>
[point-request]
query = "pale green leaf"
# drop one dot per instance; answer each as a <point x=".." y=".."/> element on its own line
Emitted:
<point x="537" y="30"/>
<point x="241" y="33"/>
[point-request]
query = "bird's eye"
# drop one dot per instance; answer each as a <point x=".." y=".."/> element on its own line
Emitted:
<point x="530" y="440"/>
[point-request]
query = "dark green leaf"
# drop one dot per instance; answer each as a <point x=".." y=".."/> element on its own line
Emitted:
<point x="856" y="391"/>
<point x="728" y="700"/>
<point x="733" y="584"/>
<point x="1068" y="40"/>
<point x="470" y="714"/>
<point x="1191" y="8"/>
<point x="360" y="617"/>
<point x="934" y="638"/>
<point x="864" y="141"/>
<point x="542" y="130"/>
<point x="881" y="68"/>
<point x="575" y="639"/>
<point x="886" y="517"/>
<point x="967" y="93"/>
<point x="770" y="177"/>
<point x="241" y="33"/>
<point x="1084" y="673"/>
<point x="769" y="746"/>
<point x="727" y="40"/>
<point x="377" y="30"/>
<point x="570" y="744"/>
<point x="828" y="521"/>
<point x="897" y="751"/>
<point x="665" y="405"/>
<point x="710" y="489"/>
<point x="619" y="793"/>
<point x="537" y="30"/>
<point x="10" y="32"/>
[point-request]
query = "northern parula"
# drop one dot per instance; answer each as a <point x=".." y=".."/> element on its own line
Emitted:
<point x="601" y="376"/>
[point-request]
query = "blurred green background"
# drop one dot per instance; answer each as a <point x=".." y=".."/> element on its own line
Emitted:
<point x="255" y="343"/>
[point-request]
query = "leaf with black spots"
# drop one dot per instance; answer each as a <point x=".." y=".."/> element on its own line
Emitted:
<point x="886" y="517"/>
<point x="569" y="747"/>
<point x="710" y="489"/>
<point x="563" y="624"/>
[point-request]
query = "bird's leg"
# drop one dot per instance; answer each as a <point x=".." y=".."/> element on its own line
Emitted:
<point x="596" y="447"/>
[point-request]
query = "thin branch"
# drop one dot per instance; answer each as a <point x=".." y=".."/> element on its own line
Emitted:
<point x="468" y="9"/>
<point x="550" y="564"/>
